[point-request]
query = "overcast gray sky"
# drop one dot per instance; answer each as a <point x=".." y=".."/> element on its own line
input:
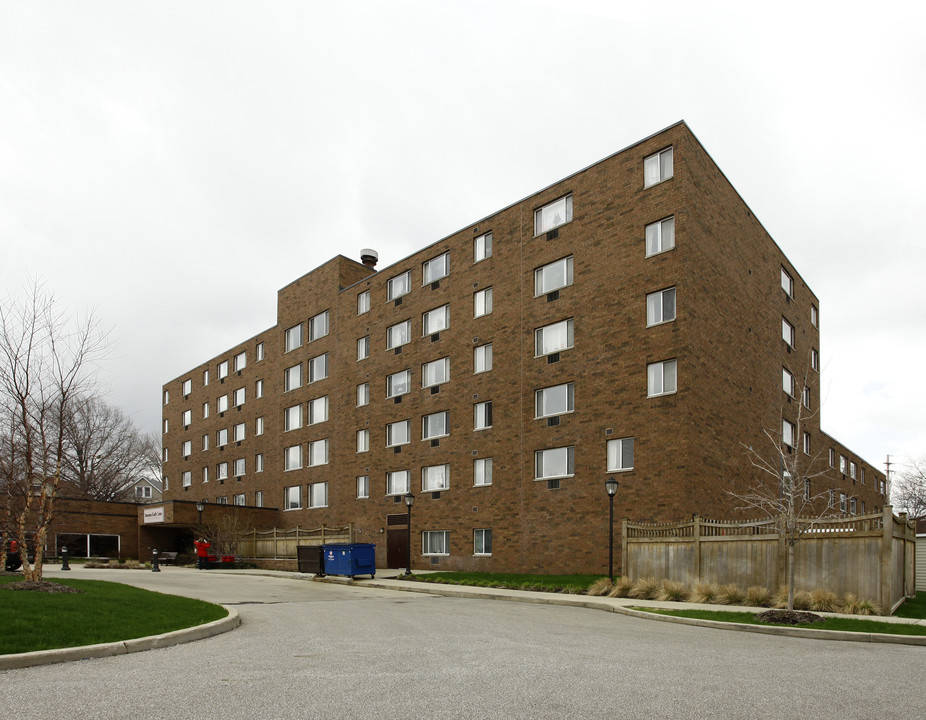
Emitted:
<point x="173" y="164"/>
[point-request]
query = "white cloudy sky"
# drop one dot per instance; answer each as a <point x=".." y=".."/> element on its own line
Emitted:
<point x="172" y="164"/>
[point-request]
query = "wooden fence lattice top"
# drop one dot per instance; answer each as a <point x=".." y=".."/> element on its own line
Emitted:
<point x="732" y="528"/>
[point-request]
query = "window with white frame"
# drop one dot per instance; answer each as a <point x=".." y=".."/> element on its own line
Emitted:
<point x="661" y="378"/>
<point x="318" y="495"/>
<point x="259" y="426"/>
<point x="223" y="369"/>
<point x="166" y="426"/>
<point x="187" y="478"/>
<point x="660" y="236"/>
<point x="318" y="368"/>
<point x="399" y="285"/>
<point x="832" y="455"/>
<point x="166" y="397"/>
<point x="166" y="454"/>
<point x="435" y="542"/>
<point x="187" y="387"/>
<point x="241" y="361"/>
<point x="239" y="397"/>
<point x="293" y="338"/>
<point x="363" y="302"/>
<point x="658" y="167"/>
<point x="259" y="498"/>
<point x="435" y="372"/>
<point x="205" y="474"/>
<point x="318" y="452"/>
<point x="221" y="471"/>
<point x="660" y="307"/>
<point x="363" y="441"/>
<point x="222" y="404"/>
<point x="842" y="502"/>
<point x="363" y="487"/>
<point x="482" y="358"/>
<point x="807" y="443"/>
<point x="239" y="467"/>
<point x="259" y="389"/>
<point x="260" y="351"/>
<point x="187" y="418"/>
<point x="398" y="433"/>
<point x="238" y="432"/>
<point x="397" y="482"/>
<point x="815" y="359"/>
<point x="482" y="302"/>
<point x="482" y="415"/>
<point x="363" y="394"/>
<point x="787" y="382"/>
<point x="787" y="332"/>
<point x="399" y="334"/>
<point x="292" y="457"/>
<point x="238" y="499"/>
<point x="435" y="321"/>
<point x="363" y="348"/>
<point x="292" y="378"/>
<point x="398" y="383"/>
<point x="318" y="326"/>
<point x="787" y="433"/>
<point x="187" y="448"/>
<point x="318" y="410"/>
<point x="435" y="478"/>
<point x="814" y="316"/>
<point x="292" y="498"/>
<point x="221" y="437"/>
<point x="787" y="282"/>
<point x="553" y="338"/>
<point x="556" y="400"/>
<point x="482" y="247"/>
<point x="205" y="442"/>
<point x="435" y="425"/>
<point x="205" y="378"/>
<point x="434" y="269"/>
<point x="551" y="215"/>
<point x="853" y="469"/>
<point x="554" y="463"/>
<point x="482" y="471"/>
<point x="259" y="462"/>
<point x="553" y="276"/>
<point x="805" y="396"/>
<point x="620" y="454"/>
<point x="222" y="500"/>
<point x="205" y="410"/>
<point x="482" y="541"/>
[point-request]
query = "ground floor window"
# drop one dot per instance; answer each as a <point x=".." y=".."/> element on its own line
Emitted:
<point x="482" y="541"/>
<point x="435" y="542"/>
<point x="86" y="545"/>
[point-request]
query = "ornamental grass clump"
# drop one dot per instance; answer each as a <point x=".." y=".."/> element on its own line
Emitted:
<point x="757" y="596"/>
<point x="730" y="594"/>
<point x="823" y="601"/>
<point x="600" y="587"/>
<point x="705" y="593"/>
<point x="644" y="589"/>
<point x="672" y="591"/>
<point x="621" y="588"/>
<point x="853" y="605"/>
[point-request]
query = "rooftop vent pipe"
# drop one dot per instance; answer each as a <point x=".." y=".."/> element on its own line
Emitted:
<point x="369" y="257"/>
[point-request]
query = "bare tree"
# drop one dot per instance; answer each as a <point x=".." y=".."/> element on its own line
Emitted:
<point x="908" y="489"/>
<point x="782" y="485"/>
<point x="46" y="363"/>
<point x="104" y="451"/>
<point x="227" y="530"/>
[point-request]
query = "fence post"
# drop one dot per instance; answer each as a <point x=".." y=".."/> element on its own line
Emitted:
<point x="696" y="531"/>
<point x="887" y="536"/>
<point x="625" y="549"/>
<point x="782" y="573"/>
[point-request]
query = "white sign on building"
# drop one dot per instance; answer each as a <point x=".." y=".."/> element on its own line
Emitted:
<point x="154" y="515"/>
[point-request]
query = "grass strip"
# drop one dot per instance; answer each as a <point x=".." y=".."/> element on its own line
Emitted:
<point x="913" y="607"/>
<point x="574" y="584"/>
<point x="103" y="612"/>
<point x="829" y="623"/>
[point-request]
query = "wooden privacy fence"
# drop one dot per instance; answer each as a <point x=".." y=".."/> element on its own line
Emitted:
<point x="872" y="556"/>
<point x="282" y="544"/>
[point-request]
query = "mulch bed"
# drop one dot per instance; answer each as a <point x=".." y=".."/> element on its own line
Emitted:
<point x="40" y="586"/>
<point x="789" y="617"/>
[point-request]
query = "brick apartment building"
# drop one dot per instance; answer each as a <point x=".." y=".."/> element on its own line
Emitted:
<point x="633" y="320"/>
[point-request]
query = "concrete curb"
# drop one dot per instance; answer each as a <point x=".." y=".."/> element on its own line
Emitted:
<point x="123" y="647"/>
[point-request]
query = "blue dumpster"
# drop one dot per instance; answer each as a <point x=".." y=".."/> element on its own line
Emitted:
<point x="352" y="559"/>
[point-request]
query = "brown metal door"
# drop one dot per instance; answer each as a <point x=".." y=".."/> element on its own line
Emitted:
<point x="396" y="540"/>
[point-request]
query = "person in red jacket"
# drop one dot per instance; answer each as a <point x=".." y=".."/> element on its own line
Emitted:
<point x="202" y="552"/>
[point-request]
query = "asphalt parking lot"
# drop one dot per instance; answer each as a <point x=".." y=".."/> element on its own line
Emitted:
<point x="314" y="650"/>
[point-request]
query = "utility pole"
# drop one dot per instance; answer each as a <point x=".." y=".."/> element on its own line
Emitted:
<point x="887" y="490"/>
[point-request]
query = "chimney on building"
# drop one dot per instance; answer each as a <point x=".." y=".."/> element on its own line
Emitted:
<point x="369" y="257"/>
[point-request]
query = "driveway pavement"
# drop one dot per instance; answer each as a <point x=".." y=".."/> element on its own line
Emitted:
<point x="324" y="650"/>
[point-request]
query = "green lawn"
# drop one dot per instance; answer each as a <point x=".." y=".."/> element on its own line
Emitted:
<point x="915" y="608"/>
<point x="543" y="583"/>
<point x="104" y="612"/>
<point x="841" y="624"/>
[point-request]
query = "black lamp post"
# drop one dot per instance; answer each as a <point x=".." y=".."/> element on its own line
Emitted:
<point x="611" y="486"/>
<point x="200" y="506"/>
<point x="64" y="558"/>
<point x="409" y="500"/>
